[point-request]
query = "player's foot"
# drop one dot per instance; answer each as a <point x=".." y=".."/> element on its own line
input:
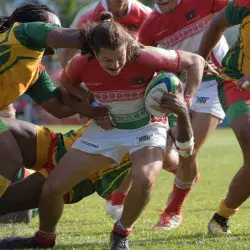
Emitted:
<point x="20" y="243"/>
<point x="168" y="221"/>
<point x="118" y="242"/>
<point x="114" y="211"/>
<point x="218" y="225"/>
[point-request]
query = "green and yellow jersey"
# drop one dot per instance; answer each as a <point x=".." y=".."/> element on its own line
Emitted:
<point x="236" y="63"/>
<point x="21" y="50"/>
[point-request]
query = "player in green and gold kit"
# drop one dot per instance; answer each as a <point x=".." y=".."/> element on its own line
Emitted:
<point x="29" y="33"/>
<point x="235" y="99"/>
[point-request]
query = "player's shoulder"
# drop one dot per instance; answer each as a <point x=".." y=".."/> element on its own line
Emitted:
<point x="149" y="52"/>
<point x="141" y="7"/>
<point x="151" y="18"/>
<point x="79" y="60"/>
<point x="87" y="13"/>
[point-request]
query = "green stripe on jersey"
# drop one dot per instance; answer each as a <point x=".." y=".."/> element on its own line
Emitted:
<point x="235" y="14"/>
<point x="3" y="127"/>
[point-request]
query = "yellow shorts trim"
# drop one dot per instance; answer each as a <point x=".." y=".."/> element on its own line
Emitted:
<point x="43" y="143"/>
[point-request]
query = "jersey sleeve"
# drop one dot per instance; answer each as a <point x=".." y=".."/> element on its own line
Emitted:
<point x="74" y="69"/>
<point x="162" y="59"/>
<point x="218" y="5"/>
<point x="237" y="10"/>
<point x="43" y="89"/>
<point x="33" y="35"/>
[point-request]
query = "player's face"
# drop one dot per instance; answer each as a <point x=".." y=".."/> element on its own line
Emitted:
<point x="112" y="61"/>
<point x="167" y="5"/>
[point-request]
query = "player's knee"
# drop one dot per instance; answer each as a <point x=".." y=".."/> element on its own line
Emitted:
<point x="144" y="182"/>
<point x="51" y="190"/>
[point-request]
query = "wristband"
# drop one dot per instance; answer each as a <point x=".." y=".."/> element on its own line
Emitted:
<point x="185" y="145"/>
<point x="188" y="100"/>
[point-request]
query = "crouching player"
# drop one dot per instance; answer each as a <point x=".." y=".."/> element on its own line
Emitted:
<point x="41" y="149"/>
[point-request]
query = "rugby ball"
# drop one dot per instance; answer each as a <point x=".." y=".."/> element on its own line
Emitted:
<point x="162" y="82"/>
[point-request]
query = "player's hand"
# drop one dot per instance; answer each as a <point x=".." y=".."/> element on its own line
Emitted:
<point x="104" y="122"/>
<point x="171" y="103"/>
<point x="244" y="83"/>
<point x="211" y="69"/>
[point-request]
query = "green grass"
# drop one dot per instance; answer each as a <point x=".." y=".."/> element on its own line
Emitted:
<point x="86" y="226"/>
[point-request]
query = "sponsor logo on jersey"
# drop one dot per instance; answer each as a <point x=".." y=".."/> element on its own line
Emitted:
<point x="139" y="81"/>
<point x="190" y="15"/>
<point x="201" y="100"/>
<point x="90" y="144"/>
<point x="133" y="28"/>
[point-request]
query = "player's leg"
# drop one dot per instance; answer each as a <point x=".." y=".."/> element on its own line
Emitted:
<point x="204" y="121"/>
<point x="238" y="113"/>
<point x="22" y="195"/>
<point x="10" y="155"/>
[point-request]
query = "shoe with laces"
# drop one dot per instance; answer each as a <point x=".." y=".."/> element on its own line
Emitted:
<point x="20" y="243"/>
<point x="218" y="225"/>
<point x="168" y="221"/>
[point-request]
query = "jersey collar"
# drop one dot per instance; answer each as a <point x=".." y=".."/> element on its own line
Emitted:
<point x="157" y="8"/>
<point x="105" y="5"/>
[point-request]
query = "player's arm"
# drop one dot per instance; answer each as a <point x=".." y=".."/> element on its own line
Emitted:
<point x="194" y="66"/>
<point x="39" y="35"/>
<point x="215" y="31"/>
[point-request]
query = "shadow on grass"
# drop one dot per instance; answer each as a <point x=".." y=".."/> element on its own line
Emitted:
<point x="170" y="239"/>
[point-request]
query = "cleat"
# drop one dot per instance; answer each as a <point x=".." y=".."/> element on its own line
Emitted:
<point x="115" y="211"/>
<point x="218" y="226"/>
<point x="20" y="243"/>
<point x="118" y="242"/>
<point x="168" y="221"/>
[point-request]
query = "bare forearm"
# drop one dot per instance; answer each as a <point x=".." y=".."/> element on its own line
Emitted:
<point x="184" y="128"/>
<point x="65" y="38"/>
<point x="194" y="76"/>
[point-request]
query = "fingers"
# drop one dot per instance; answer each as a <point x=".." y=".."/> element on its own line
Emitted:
<point x="243" y="83"/>
<point x="104" y="123"/>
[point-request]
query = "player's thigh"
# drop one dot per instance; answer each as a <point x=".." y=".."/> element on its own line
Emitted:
<point x="74" y="166"/>
<point x="147" y="163"/>
<point x="203" y="125"/>
<point x="10" y="154"/>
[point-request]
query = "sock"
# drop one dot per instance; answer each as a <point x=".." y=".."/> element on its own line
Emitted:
<point x="4" y="184"/>
<point x="173" y="170"/>
<point x="225" y="211"/>
<point x="121" y="230"/>
<point x="118" y="198"/>
<point x="45" y="239"/>
<point x="109" y="198"/>
<point x="179" y="194"/>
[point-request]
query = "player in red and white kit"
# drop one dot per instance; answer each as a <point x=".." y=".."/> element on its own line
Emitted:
<point x="180" y="24"/>
<point x="129" y="13"/>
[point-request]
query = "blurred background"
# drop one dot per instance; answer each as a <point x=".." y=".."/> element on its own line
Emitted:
<point x="66" y="10"/>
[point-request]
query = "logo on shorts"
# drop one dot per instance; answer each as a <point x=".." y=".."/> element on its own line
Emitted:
<point x="201" y="100"/>
<point x="144" y="138"/>
<point x="90" y="144"/>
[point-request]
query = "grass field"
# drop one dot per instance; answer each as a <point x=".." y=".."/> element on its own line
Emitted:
<point x="86" y="226"/>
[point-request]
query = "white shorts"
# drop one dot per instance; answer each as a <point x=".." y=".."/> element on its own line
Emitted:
<point x="116" y="143"/>
<point x="207" y="100"/>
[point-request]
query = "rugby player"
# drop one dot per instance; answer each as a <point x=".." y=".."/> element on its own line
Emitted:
<point x="31" y="31"/>
<point x="180" y="24"/>
<point x="234" y="96"/>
